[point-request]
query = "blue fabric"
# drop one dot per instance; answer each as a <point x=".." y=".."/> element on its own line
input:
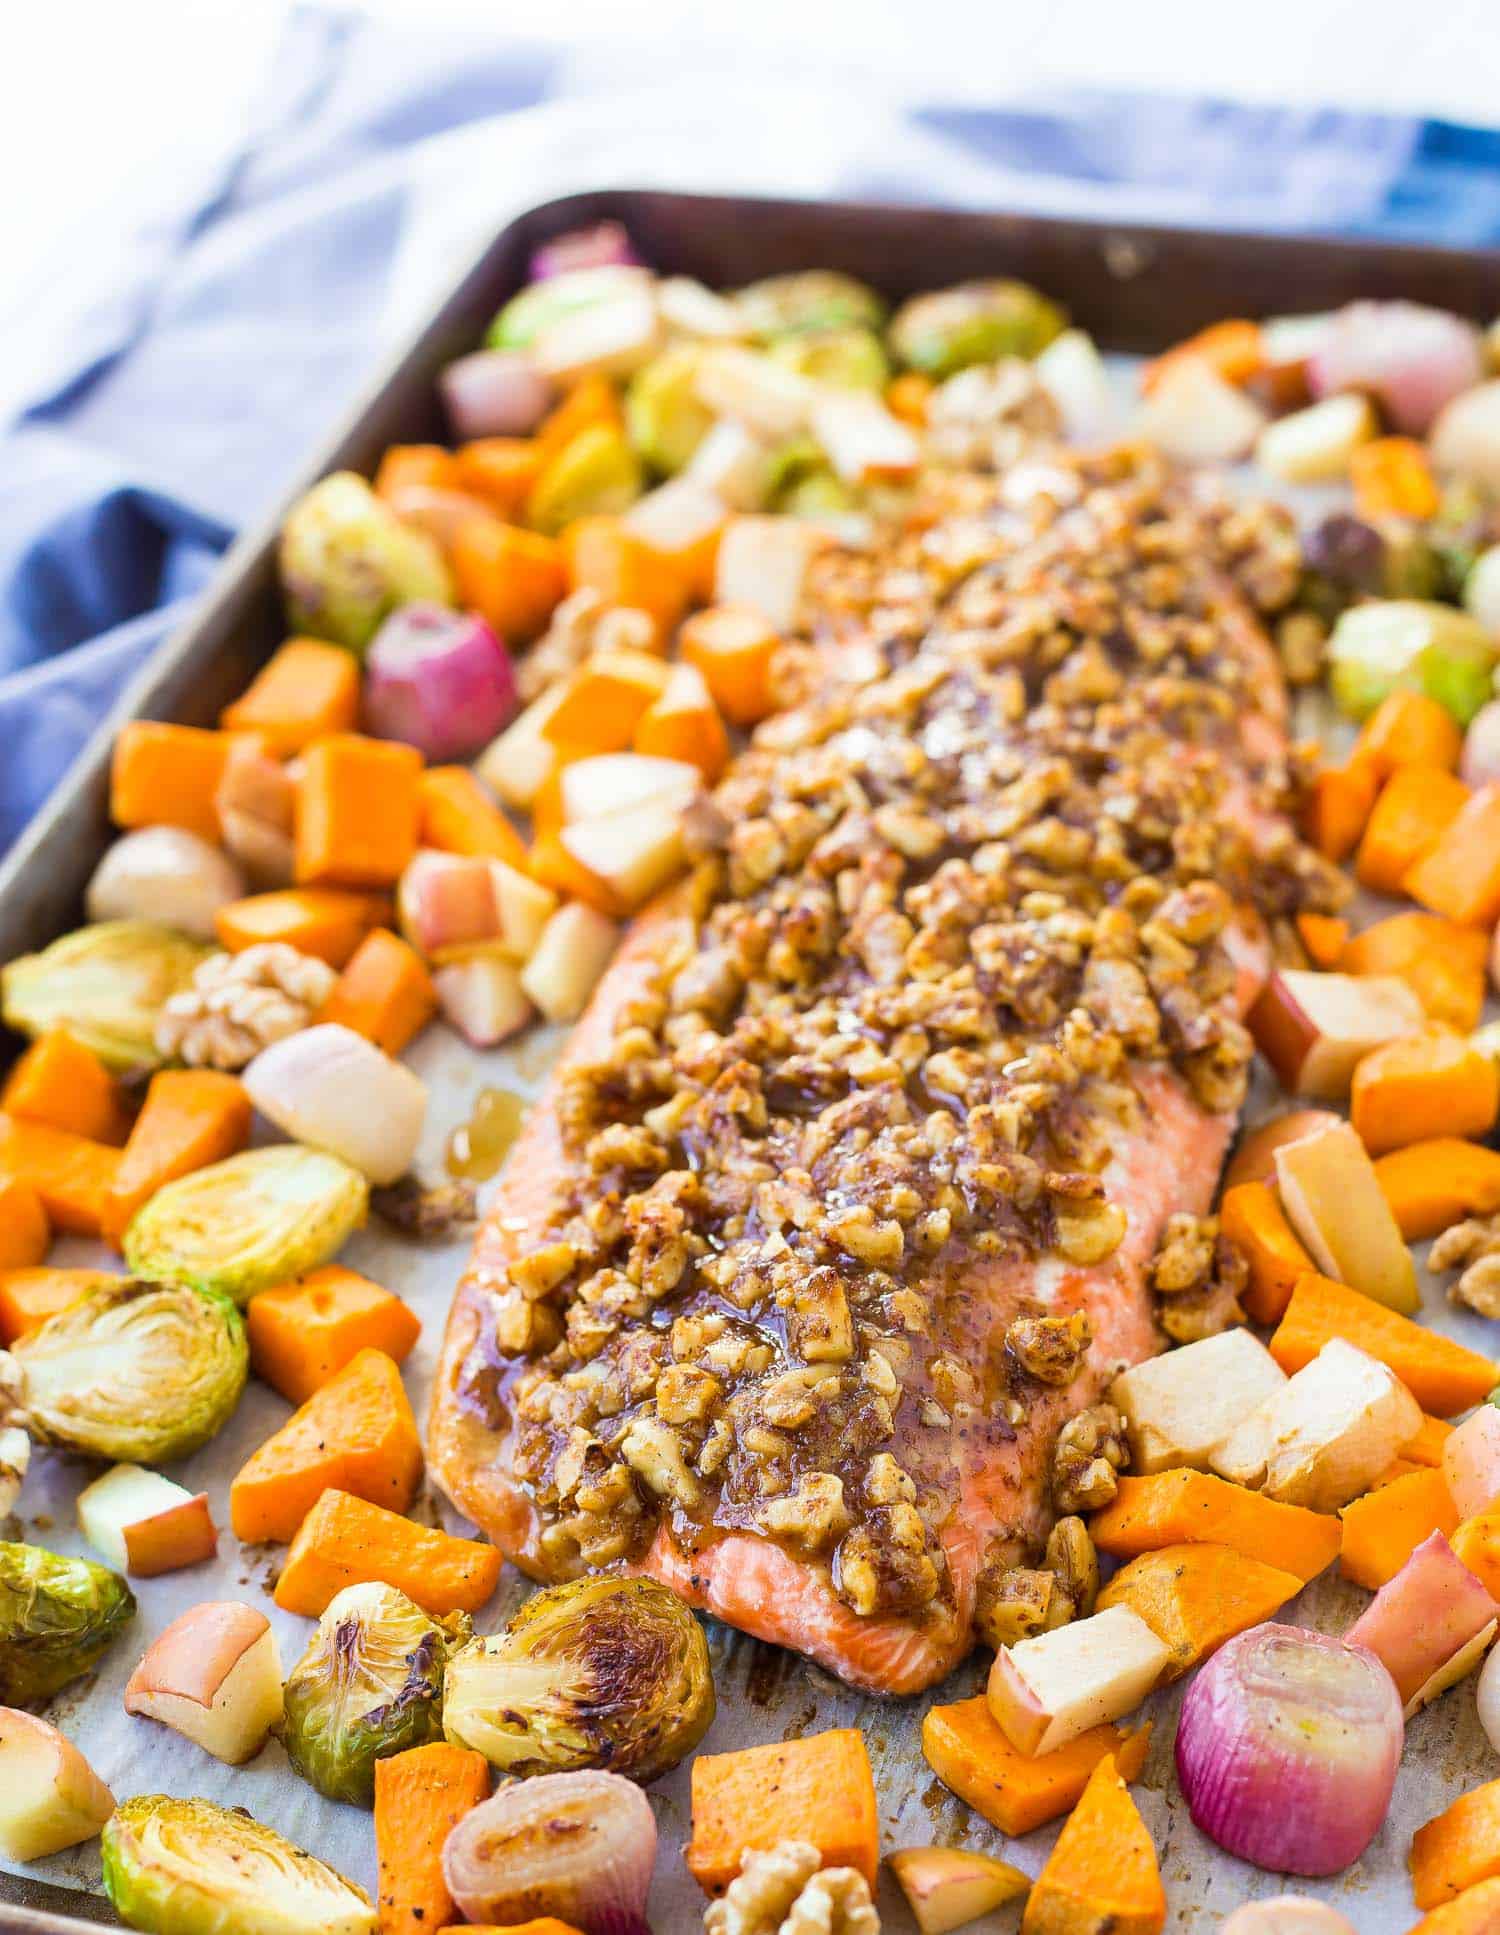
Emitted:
<point x="180" y="405"/>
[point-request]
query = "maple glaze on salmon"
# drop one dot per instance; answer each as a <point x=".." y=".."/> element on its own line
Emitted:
<point x="844" y="1199"/>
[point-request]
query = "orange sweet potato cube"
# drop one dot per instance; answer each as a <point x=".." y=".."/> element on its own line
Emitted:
<point x="513" y="578"/>
<point x="817" y="1789"/>
<point x="306" y="690"/>
<point x="357" y="812"/>
<point x="732" y="646"/>
<point x="458" y="816"/>
<point x="62" y="1082"/>
<point x="303" y="1333"/>
<point x="24" y="1229"/>
<point x="384" y="994"/>
<point x="604" y="700"/>
<point x="604" y="555"/>
<point x="164" y="775"/>
<point x="684" y="724"/>
<point x="500" y="470"/>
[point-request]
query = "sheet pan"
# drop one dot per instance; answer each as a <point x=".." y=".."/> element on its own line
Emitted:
<point x="1136" y="289"/>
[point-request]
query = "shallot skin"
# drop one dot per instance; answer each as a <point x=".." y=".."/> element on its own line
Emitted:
<point x="1287" y="1749"/>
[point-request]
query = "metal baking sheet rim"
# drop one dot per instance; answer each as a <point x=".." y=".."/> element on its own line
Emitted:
<point x="762" y="1691"/>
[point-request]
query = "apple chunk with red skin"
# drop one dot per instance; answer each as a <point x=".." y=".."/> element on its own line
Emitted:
<point x="50" y="1797"/>
<point x="1314" y="1028"/>
<point x="946" y="1888"/>
<point x="1046" y="1691"/>
<point x="213" y="1676"/>
<point x="143" y="1523"/>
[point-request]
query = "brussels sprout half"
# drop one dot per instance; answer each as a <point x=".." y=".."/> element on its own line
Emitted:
<point x="57" y="1616"/>
<point x="1395" y="644"/>
<point x="850" y="359"/>
<point x="347" y="561"/>
<point x="370" y="1684"/>
<point x="594" y="475"/>
<point x="598" y="1673"/>
<point x="973" y="322"/>
<point x="810" y="299"/>
<point x="662" y="412"/>
<point x="190" y="1868"/>
<point x="135" y="1373"/>
<point x="244" y="1224"/>
<point x="105" y="984"/>
<point x="537" y="308"/>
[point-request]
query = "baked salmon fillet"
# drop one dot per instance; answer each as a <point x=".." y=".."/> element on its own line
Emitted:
<point x="890" y="1136"/>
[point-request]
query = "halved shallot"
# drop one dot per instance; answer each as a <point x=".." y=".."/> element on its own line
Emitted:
<point x="1287" y="1749"/>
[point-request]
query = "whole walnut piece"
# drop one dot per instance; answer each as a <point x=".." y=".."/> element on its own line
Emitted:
<point x="784" y="1891"/>
<point x="1474" y="1246"/>
<point x="237" y="1004"/>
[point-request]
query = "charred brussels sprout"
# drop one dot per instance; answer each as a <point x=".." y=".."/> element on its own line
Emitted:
<point x="1408" y="644"/>
<point x="347" y="562"/>
<point x="106" y="985"/>
<point x="606" y="1672"/>
<point x="849" y="359"/>
<point x="190" y="1868"/>
<point x="254" y="1220"/>
<point x="369" y="1684"/>
<point x="57" y="1616"/>
<point x="136" y="1373"/>
<point x="811" y="299"/>
<point x="973" y="322"/>
<point x="537" y="308"/>
<point x="662" y="412"/>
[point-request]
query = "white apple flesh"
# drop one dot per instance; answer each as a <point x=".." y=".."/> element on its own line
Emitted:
<point x="1044" y="1692"/>
<point x="213" y="1676"/>
<point x="574" y="950"/>
<point x="140" y="1522"/>
<point x="1335" y="1205"/>
<point x="947" y="1887"/>
<point x="1314" y="1028"/>
<point x="50" y="1797"/>
<point x="482" y="998"/>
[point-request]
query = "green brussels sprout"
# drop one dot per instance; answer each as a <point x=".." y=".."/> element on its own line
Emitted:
<point x="810" y="299"/>
<point x="105" y="984"/>
<point x="973" y="322"/>
<point x="190" y="1868"/>
<point x="136" y="1373"/>
<point x="369" y="1684"/>
<point x="594" y="474"/>
<point x="662" y="412"/>
<point x="602" y="1672"/>
<point x="254" y="1220"/>
<point x="347" y="561"/>
<point x="534" y="311"/>
<point x="850" y="359"/>
<point x="816" y="493"/>
<point x="57" y="1616"/>
<point x="1410" y="645"/>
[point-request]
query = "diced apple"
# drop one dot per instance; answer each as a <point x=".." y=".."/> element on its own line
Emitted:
<point x="861" y="439"/>
<point x="1457" y="1667"/>
<point x="1071" y="371"/>
<point x="1047" y="1690"/>
<point x="612" y="338"/>
<point x="138" y="1521"/>
<point x="446" y="900"/>
<point x="615" y="783"/>
<point x="1254" y="1158"/>
<point x="523" y="907"/>
<point x="1314" y="1028"/>
<point x="684" y="724"/>
<point x="213" y="1676"/>
<point x="692" y="309"/>
<point x="734" y="464"/>
<point x="765" y="396"/>
<point x="518" y="764"/>
<point x="631" y="854"/>
<point x="1425" y="1616"/>
<point x="1313" y="446"/>
<point x="50" y="1797"/>
<point x="764" y="562"/>
<point x="15" y="1461"/>
<point x="1327" y="1434"/>
<point x="947" y="1887"/>
<point x="1334" y="1203"/>
<point x="574" y="950"/>
<point x="482" y="997"/>
<point x="1471" y="1462"/>
<point x="1194" y="415"/>
<point x="1179" y="1408"/>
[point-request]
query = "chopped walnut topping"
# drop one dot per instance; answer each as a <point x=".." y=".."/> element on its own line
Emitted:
<point x="1071" y="1559"/>
<point x="1014" y="1603"/>
<point x="1050" y="1349"/>
<point x="1087" y="1459"/>
<point x="786" y="1891"/>
<point x="944" y="915"/>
